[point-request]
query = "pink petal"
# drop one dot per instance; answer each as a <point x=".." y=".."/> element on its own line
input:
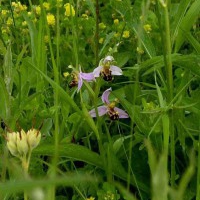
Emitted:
<point x="122" y="113"/>
<point x="97" y="71"/>
<point x="105" y="96"/>
<point x="87" y="76"/>
<point x="102" y="110"/>
<point x="115" y="70"/>
<point x="80" y="82"/>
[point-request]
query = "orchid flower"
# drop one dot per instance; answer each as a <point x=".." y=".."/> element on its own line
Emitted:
<point x="106" y="69"/>
<point x="78" y="78"/>
<point x="109" y="108"/>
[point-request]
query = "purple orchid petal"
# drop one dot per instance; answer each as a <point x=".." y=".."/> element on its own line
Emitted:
<point x="122" y="113"/>
<point x="105" y="96"/>
<point x="87" y="76"/>
<point x="80" y="82"/>
<point x="115" y="70"/>
<point x="102" y="110"/>
<point x="97" y="71"/>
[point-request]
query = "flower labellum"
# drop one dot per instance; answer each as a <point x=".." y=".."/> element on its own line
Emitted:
<point x="33" y="138"/>
<point x="106" y="69"/>
<point x="109" y="108"/>
<point x="77" y="79"/>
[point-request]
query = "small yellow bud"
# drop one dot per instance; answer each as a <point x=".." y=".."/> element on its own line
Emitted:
<point x="85" y="16"/>
<point x="9" y="21"/>
<point x="69" y="10"/>
<point x="12" y="143"/>
<point x="140" y="50"/>
<point x="147" y="28"/>
<point x="126" y="34"/>
<point x="38" y="10"/>
<point x="46" y="38"/>
<point x="24" y="23"/>
<point x="51" y="19"/>
<point x="65" y="74"/>
<point x="102" y="25"/>
<point x="116" y="21"/>
<point x="4" y="12"/>
<point x="33" y="138"/>
<point x="46" y="5"/>
<point x="22" y="145"/>
<point x="101" y="41"/>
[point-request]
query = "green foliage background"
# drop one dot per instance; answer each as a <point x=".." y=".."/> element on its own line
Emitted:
<point x="155" y="153"/>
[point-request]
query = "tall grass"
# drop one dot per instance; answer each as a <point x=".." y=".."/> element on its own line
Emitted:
<point x="153" y="154"/>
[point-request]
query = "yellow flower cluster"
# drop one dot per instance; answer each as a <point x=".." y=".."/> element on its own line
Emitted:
<point x="102" y="25"/>
<point x="18" y="7"/>
<point x="126" y="34"/>
<point x="21" y="143"/>
<point x="46" y="5"/>
<point x="116" y="21"/>
<point x="51" y="19"/>
<point x="69" y="10"/>
<point x="4" y="12"/>
<point x="38" y="10"/>
<point x="147" y="28"/>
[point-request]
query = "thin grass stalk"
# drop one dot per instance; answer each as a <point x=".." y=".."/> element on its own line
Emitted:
<point x="198" y="172"/>
<point x="51" y="191"/>
<point x="97" y="34"/>
<point x="169" y="77"/>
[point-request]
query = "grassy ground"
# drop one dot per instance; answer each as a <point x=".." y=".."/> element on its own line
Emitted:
<point x="128" y="129"/>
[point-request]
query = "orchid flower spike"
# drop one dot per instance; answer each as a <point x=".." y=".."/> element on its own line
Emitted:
<point x="78" y="77"/>
<point x="109" y="108"/>
<point x="106" y="69"/>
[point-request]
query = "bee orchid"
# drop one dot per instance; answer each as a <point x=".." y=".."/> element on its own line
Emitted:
<point x="78" y="77"/>
<point x="106" y="69"/>
<point x="109" y="108"/>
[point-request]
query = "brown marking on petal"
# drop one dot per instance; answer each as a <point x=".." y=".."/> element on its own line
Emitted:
<point x="106" y="74"/>
<point x="114" y="115"/>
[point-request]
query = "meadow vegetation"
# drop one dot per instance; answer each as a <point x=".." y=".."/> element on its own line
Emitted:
<point x="100" y="100"/>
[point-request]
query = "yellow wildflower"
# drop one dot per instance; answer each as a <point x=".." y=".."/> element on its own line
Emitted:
<point x="4" y="12"/>
<point x="147" y="28"/>
<point x="69" y="10"/>
<point x="5" y="30"/>
<point x="46" y="38"/>
<point x="91" y="198"/>
<point x="65" y="74"/>
<point x="101" y="41"/>
<point x="126" y="34"/>
<point x="46" y="5"/>
<point x="25" y="31"/>
<point x="24" y="23"/>
<point x="117" y="34"/>
<point x="9" y="21"/>
<point x="29" y="13"/>
<point x="116" y="21"/>
<point x="140" y="50"/>
<point x="85" y="16"/>
<point x="59" y="3"/>
<point x="102" y="25"/>
<point x="38" y="10"/>
<point x="51" y="19"/>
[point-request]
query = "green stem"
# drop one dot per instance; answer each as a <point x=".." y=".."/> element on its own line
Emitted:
<point x="169" y="77"/>
<point x="97" y="34"/>
<point x="198" y="172"/>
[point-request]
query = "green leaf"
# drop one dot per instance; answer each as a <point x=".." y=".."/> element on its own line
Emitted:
<point x="4" y="100"/>
<point x="70" y="180"/>
<point x="187" y="23"/>
<point x="179" y="15"/>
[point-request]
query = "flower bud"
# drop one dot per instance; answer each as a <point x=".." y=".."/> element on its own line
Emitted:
<point x="22" y="144"/>
<point x="33" y="138"/>
<point x="12" y="143"/>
